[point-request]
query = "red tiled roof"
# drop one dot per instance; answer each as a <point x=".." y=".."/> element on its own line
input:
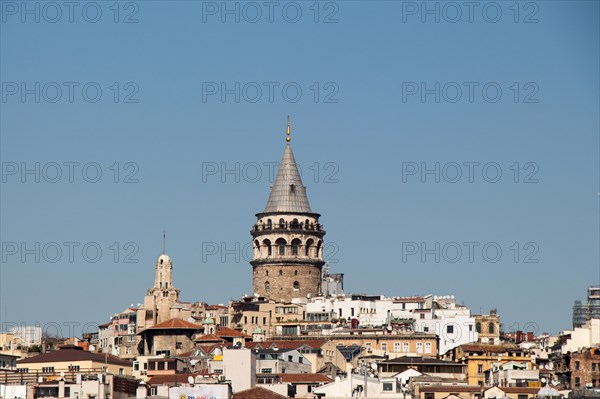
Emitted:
<point x="288" y="344"/>
<point x="230" y="333"/>
<point x="306" y="377"/>
<point x="257" y="393"/>
<point x="74" y="354"/>
<point x="450" y="388"/>
<point x="176" y="323"/>
<point x="208" y="338"/>
<point x="409" y="299"/>
<point x="489" y="348"/>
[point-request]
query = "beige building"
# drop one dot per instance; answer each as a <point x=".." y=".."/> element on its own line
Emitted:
<point x="488" y="327"/>
<point x="73" y="359"/>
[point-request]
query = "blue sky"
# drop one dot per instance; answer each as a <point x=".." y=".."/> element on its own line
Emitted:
<point x="358" y="128"/>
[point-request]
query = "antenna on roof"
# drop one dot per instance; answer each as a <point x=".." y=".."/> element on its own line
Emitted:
<point x="164" y="241"/>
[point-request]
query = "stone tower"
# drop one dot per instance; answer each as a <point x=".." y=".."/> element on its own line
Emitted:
<point x="160" y="298"/>
<point x="287" y="238"/>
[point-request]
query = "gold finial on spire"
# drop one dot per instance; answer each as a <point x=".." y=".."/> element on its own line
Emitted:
<point x="289" y="130"/>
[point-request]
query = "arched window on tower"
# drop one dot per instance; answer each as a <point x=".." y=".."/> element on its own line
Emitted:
<point x="269" y="224"/>
<point x="281" y="244"/>
<point x="257" y="246"/>
<point x="295" y="272"/>
<point x="296" y="285"/>
<point x="295" y="224"/>
<point x="281" y="223"/>
<point x="306" y="223"/>
<point x="280" y="272"/>
<point x="309" y="243"/>
<point x="491" y="328"/>
<point x="267" y="244"/>
<point x="267" y="286"/>
<point x="478" y="327"/>
<point x="295" y="244"/>
<point x="318" y="251"/>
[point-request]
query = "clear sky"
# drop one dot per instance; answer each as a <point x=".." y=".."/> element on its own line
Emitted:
<point x="191" y="90"/>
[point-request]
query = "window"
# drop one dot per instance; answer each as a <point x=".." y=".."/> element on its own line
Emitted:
<point x="280" y="272"/>
<point x="281" y="248"/>
<point x="491" y="328"/>
<point x="419" y="347"/>
<point x="47" y="369"/>
<point x="266" y="371"/>
<point x="153" y="391"/>
<point x="384" y="346"/>
<point x="290" y="358"/>
<point x="296" y="285"/>
<point x="300" y="360"/>
<point x="429" y="395"/>
<point x="281" y="223"/>
<point x="388" y="386"/>
<point x="470" y="327"/>
<point x="161" y="366"/>
<point x="422" y="315"/>
<point x="73" y="368"/>
<point x="577" y="365"/>
<point x="593" y="366"/>
<point x="425" y="329"/>
<point x="267" y="285"/>
<point x="427" y="347"/>
<point x="128" y="350"/>
<point x="178" y="345"/>
<point x="450" y="329"/>
<point x="478" y="327"/>
<point x="218" y="371"/>
<point x="121" y="371"/>
<point x="396" y="346"/>
<point x="264" y="320"/>
<point x="577" y="382"/>
<point x="480" y="368"/>
<point x="405" y="347"/>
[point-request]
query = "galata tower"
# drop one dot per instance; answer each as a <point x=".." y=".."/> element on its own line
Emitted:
<point x="287" y="238"/>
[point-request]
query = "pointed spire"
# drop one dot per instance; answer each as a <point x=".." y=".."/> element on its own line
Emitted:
<point x="288" y="194"/>
<point x="289" y="131"/>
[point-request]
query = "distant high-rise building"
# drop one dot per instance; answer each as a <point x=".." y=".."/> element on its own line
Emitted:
<point x="584" y="311"/>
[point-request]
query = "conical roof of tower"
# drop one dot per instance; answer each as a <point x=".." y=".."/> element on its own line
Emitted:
<point x="288" y="194"/>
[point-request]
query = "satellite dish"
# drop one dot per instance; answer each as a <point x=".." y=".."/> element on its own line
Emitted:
<point x="92" y="348"/>
<point x="190" y="380"/>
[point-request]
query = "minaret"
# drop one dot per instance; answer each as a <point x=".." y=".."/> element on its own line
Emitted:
<point x="287" y="238"/>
